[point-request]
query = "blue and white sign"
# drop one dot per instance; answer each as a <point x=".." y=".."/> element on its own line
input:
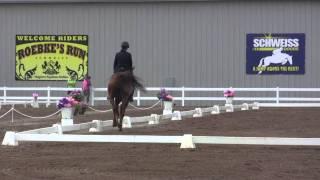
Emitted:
<point x="276" y="53"/>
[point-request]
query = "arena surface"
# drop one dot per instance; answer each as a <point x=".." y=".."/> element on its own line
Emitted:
<point x="74" y="161"/>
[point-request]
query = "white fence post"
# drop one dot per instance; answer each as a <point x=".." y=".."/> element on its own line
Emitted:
<point x="138" y="98"/>
<point x="278" y="94"/>
<point x="4" y="94"/>
<point x="182" y="98"/>
<point x="92" y="96"/>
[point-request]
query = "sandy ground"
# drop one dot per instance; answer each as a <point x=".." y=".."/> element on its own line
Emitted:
<point x="42" y="161"/>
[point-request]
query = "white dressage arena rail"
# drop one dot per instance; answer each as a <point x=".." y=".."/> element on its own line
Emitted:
<point x="186" y="141"/>
<point x="56" y="133"/>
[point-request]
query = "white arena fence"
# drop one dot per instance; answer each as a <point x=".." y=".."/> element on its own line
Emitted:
<point x="99" y="95"/>
<point x="56" y="132"/>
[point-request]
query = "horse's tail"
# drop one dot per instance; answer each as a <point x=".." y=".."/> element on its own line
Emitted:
<point x="137" y="84"/>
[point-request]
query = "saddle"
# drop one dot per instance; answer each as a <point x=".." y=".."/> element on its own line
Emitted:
<point x="123" y="69"/>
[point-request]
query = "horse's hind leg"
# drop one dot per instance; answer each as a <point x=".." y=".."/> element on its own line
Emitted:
<point x="122" y="111"/>
<point x="115" y="111"/>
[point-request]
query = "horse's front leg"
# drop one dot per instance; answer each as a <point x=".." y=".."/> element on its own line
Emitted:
<point x="122" y="112"/>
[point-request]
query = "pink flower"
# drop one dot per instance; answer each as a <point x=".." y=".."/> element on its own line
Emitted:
<point x="229" y="93"/>
<point x="169" y="97"/>
<point x="163" y="95"/>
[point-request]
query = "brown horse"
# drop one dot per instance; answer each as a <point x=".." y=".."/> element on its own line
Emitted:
<point x="120" y="88"/>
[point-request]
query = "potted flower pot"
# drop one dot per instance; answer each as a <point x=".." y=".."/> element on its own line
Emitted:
<point x="167" y="107"/>
<point x="66" y="116"/>
<point x="35" y="103"/>
<point x="229" y="100"/>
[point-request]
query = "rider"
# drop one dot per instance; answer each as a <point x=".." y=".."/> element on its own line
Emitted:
<point x="123" y="62"/>
<point x="123" y="59"/>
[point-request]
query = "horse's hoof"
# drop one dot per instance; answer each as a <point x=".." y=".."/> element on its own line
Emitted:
<point x="114" y="125"/>
<point x="120" y="127"/>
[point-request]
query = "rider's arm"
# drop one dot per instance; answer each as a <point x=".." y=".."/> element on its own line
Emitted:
<point x="130" y="61"/>
<point x="115" y="63"/>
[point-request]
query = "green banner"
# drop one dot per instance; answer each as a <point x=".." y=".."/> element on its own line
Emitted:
<point x="51" y="57"/>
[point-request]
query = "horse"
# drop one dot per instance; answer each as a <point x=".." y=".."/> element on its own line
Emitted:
<point x="120" y="89"/>
<point x="278" y="58"/>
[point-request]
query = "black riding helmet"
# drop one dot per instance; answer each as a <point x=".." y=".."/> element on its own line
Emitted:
<point x="125" y="45"/>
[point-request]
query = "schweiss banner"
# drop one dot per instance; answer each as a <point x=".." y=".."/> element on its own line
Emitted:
<point x="51" y="57"/>
<point x="276" y="53"/>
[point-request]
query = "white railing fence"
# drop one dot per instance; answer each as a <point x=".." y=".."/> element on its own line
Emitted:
<point x="268" y="97"/>
<point x="56" y="133"/>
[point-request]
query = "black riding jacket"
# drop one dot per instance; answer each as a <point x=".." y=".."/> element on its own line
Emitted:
<point x="122" y="61"/>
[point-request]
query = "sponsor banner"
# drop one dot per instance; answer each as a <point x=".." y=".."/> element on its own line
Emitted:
<point x="51" y="57"/>
<point x="276" y="53"/>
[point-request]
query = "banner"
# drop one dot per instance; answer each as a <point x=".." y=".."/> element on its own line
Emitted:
<point x="276" y="53"/>
<point x="51" y="57"/>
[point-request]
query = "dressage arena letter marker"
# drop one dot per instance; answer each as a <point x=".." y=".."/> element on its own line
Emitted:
<point x="187" y="142"/>
<point x="98" y="128"/>
<point x="126" y="122"/>
<point x="10" y="139"/>
<point x="216" y="110"/>
<point x="245" y="107"/>
<point x="229" y="108"/>
<point x="198" y="113"/>
<point x="155" y="119"/>
<point x="255" y="105"/>
<point x="176" y="116"/>
<point x="59" y="128"/>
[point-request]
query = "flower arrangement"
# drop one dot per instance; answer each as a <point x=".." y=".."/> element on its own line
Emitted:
<point x="75" y="99"/>
<point x="229" y="93"/>
<point x="163" y="95"/>
<point x="76" y="95"/>
<point x="67" y="102"/>
<point x="35" y="96"/>
<point x="35" y="103"/>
